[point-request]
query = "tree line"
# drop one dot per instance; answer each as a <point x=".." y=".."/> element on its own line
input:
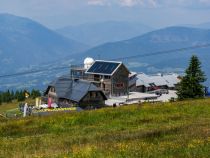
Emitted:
<point x="19" y="95"/>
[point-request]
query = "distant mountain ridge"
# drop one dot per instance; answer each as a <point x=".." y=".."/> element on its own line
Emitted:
<point x="24" y="42"/>
<point x="205" y="25"/>
<point x="102" y="32"/>
<point x="155" y="41"/>
<point x="164" y="39"/>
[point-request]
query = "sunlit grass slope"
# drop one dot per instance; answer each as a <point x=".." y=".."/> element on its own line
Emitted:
<point x="7" y="108"/>
<point x="180" y="129"/>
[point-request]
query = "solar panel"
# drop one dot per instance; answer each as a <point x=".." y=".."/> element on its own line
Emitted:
<point x="103" y="67"/>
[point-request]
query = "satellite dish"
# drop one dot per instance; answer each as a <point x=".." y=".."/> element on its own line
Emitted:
<point x="88" y="62"/>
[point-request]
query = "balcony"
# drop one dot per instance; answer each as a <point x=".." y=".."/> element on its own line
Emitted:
<point x="77" y="67"/>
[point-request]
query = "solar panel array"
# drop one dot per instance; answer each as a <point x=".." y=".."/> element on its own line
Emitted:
<point x="102" y="67"/>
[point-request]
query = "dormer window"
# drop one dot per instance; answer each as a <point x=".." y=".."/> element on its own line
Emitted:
<point x="52" y="89"/>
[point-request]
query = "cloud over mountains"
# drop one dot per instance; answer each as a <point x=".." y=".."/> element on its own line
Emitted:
<point x="152" y="3"/>
<point x="72" y="3"/>
<point x="156" y="13"/>
<point x="124" y="3"/>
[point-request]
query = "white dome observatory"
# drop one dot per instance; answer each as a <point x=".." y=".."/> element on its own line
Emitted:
<point x="88" y="62"/>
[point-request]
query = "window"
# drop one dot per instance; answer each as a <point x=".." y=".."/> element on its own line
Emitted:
<point x="77" y="74"/>
<point x="96" y="77"/>
<point x="119" y="85"/>
<point x="107" y="77"/>
<point x="52" y="89"/>
<point x="97" y="94"/>
<point x="92" y="94"/>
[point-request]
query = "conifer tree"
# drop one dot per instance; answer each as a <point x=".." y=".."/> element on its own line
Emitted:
<point x="0" y="98"/>
<point x="191" y="84"/>
<point x="35" y="93"/>
<point x="8" y="98"/>
<point x="17" y="93"/>
<point x="21" y="96"/>
<point x="12" y="94"/>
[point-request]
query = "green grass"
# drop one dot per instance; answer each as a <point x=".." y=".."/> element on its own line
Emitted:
<point x="12" y="108"/>
<point x="180" y="129"/>
<point x="8" y="106"/>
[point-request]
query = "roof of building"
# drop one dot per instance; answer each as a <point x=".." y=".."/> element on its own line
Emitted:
<point x="169" y="80"/>
<point x="74" y="90"/>
<point x="143" y="79"/>
<point x="158" y="80"/>
<point x="134" y="97"/>
<point x="104" y="67"/>
<point x="172" y="79"/>
<point x="132" y="74"/>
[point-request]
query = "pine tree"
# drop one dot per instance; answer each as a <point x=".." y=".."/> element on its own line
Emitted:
<point x="21" y="96"/>
<point x="0" y="98"/>
<point x="35" y="93"/>
<point x="191" y="84"/>
<point x="7" y="97"/>
<point x="17" y="93"/>
<point x="12" y="94"/>
<point x="3" y="97"/>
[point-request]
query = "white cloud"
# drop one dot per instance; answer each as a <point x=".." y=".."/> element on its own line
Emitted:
<point x="96" y="2"/>
<point x="59" y="13"/>
<point x="184" y="3"/>
<point x="129" y="3"/>
<point x="124" y="3"/>
<point x="152" y="3"/>
<point x="163" y="3"/>
<point x="205" y="1"/>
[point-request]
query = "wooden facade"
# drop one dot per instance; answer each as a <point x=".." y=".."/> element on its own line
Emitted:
<point x="114" y="84"/>
<point x="120" y="81"/>
<point x="95" y="99"/>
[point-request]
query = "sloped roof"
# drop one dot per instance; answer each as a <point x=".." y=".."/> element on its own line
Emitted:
<point x="143" y="79"/>
<point x="73" y="90"/>
<point x="132" y="74"/>
<point x="159" y="80"/>
<point x="104" y="67"/>
<point x="172" y="79"/>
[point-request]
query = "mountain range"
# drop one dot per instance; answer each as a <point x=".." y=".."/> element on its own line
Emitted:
<point x="102" y="32"/>
<point x="153" y="42"/>
<point x="24" y="42"/>
<point x="26" y="45"/>
<point x="158" y="40"/>
<point x="205" y="25"/>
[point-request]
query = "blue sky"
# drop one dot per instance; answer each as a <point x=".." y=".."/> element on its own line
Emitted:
<point x="156" y="13"/>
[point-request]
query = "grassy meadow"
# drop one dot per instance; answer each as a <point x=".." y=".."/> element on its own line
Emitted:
<point x="11" y="109"/>
<point x="180" y="129"/>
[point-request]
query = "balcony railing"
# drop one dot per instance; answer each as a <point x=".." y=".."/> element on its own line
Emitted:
<point x="85" y="77"/>
<point x="76" y="67"/>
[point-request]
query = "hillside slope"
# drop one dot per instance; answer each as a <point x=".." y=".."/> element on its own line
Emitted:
<point x="178" y="129"/>
<point x="204" y="25"/>
<point x="158" y="41"/>
<point x="109" y="31"/>
<point x="24" y="42"/>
